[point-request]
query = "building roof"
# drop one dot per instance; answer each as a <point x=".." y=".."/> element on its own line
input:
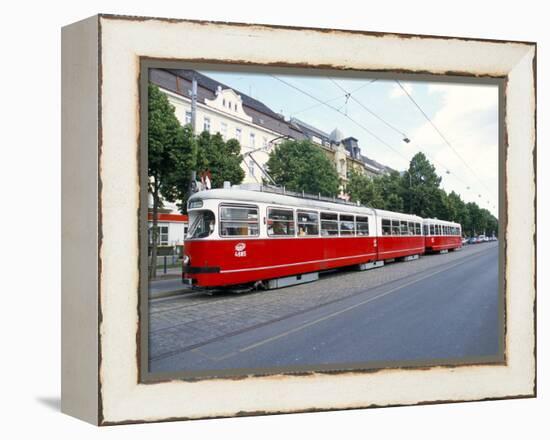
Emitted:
<point x="212" y="85"/>
<point x="376" y="165"/>
<point x="179" y="81"/>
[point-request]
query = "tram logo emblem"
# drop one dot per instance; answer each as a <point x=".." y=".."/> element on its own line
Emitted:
<point x="240" y="250"/>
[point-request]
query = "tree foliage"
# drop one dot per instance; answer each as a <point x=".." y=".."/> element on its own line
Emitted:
<point x="300" y="166"/>
<point x="221" y="159"/>
<point x="421" y="183"/>
<point x="417" y="191"/>
<point x="171" y="157"/>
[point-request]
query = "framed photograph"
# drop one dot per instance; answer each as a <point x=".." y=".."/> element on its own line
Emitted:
<point x="262" y="219"/>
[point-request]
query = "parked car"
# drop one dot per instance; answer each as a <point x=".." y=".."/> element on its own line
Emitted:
<point x="481" y="238"/>
<point x="465" y="240"/>
<point x="472" y="240"/>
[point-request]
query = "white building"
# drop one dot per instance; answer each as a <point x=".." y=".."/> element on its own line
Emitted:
<point x="221" y="109"/>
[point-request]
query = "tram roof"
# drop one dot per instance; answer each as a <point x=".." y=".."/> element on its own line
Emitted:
<point x="258" y="196"/>
<point x="442" y="222"/>
<point x="397" y="215"/>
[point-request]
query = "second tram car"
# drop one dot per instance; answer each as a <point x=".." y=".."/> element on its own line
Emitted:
<point x="241" y="236"/>
<point x="441" y="235"/>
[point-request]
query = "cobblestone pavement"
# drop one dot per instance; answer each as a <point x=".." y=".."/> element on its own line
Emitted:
<point x="182" y="323"/>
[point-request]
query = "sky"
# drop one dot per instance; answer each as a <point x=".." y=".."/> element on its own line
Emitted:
<point x="380" y="114"/>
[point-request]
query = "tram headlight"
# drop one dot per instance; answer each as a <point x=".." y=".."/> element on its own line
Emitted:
<point x="186" y="260"/>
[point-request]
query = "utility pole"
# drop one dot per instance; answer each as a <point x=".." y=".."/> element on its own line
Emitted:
<point x="194" y="103"/>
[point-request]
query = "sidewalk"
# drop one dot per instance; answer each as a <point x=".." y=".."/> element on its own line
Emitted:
<point x="171" y="272"/>
<point x="167" y="285"/>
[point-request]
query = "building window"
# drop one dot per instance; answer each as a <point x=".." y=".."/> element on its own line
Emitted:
<point x="187" y="118"/>
<point x="252" y="140"/>
<point x="308" y="223"/>
<point x="251" y="167"/>
<point x="280" y="222"/>
<point x="206" y="125"/>
<point x="223" y="130"/>
<point x="162" y="235"/>
<point x="239" y="134"/>
<point x="239" y="220"/>
<point x="329" y="223"/>
<point x="264" y="143"/>
<point x="223" y="101"/>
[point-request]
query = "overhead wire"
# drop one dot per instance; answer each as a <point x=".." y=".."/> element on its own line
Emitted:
<point x="374" y="135"/>
<point x="441" y="134"/>
<point x="406" y="139"/>
<point x="370" y="132"/>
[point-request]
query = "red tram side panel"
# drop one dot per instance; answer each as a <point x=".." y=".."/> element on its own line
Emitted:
<point x="241" y="261"/>
<point x="399" y="235"/>
<point x="240" y="236"/>
<point x="442" y="235"/>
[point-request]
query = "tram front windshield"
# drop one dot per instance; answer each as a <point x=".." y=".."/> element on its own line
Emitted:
<point x="202" y="225"/>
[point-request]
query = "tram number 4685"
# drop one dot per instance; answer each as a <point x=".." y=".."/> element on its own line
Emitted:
<point x="240" y="250"/>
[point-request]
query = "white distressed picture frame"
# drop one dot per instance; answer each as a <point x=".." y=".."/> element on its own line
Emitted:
<point x="101" y="194"/>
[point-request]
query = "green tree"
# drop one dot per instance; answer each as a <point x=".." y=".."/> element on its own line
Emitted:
<point x="423" y="196"/>
<point x="391" y="188"/>
<point x="300" y="166"/>
<point x="221" y="159"/>
<point x="171" y="152"/>
<point x="365" y="190"/>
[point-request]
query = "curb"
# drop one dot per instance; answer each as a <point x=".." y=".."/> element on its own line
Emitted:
<point x="169" y="293"/>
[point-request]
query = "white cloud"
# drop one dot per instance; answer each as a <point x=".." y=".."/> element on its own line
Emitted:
<point x="468" y="118"/>
<point x="397" y="92"/>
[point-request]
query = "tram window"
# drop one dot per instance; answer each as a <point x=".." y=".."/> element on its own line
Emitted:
<point x="432" y="229"/>
<point x="386" y="227"/>
<point x="362" y="225"/>
<point x="404" y="230"/>
<point x="329" y="223"/>
<point x="239" y="220"/>
<point x="395" y="227"/>
<point x="347" y="225"/>
<point x="418" y="229"/>
<point x="202" y="224"/>
<point x="308" y="223"/>
<point x="280" y="222"/>
<point x="411" y="228"/>
<point x="447" y="230"/>
<point x="426" y="229"/>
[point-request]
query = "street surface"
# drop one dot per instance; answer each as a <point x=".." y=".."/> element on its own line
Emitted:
<point x="440" y="307"/>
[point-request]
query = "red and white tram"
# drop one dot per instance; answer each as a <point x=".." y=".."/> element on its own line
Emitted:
<point x="441" y="235"/>
<point x="240" y="236"/>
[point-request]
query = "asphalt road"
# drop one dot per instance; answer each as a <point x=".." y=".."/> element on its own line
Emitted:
<point x="437" y="309"/>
